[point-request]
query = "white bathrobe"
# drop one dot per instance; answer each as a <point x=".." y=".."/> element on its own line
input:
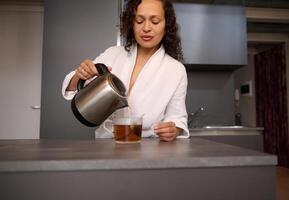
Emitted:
<point x="159" y="91"/>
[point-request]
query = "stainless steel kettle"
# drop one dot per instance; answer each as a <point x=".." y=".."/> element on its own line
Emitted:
<point x="96" y="101"/>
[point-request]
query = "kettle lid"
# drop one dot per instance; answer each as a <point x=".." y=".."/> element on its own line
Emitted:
<point x="117" y="85"/>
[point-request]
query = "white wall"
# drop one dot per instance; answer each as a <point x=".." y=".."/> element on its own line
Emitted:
<point x="246" y="105"/>
<point x="21" y="33"/>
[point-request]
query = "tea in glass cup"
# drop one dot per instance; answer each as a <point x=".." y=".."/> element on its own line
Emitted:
<point x="127" y="130"/>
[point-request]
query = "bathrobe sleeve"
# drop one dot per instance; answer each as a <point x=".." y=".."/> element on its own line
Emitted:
<point x="106" y="57"/>
<point x="176" y="108"/>
<point x="68" y="95"/>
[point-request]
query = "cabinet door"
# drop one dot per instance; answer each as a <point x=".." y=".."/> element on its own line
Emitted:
<point x="212" y="34"/>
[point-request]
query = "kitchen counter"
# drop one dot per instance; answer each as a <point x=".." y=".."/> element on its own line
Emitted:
<point x="229" y="130"/>
<point x="247" y="137"/>
<point x="184" y="168"/>
<point x="104" y="154"/>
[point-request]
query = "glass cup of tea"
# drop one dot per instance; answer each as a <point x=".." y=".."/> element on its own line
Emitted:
<point x="127" y="129"/>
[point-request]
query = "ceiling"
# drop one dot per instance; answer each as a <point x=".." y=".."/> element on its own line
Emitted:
<point x="20" y="2"/>
<point x="247" y="3"/>
<point x="251" y="26"/>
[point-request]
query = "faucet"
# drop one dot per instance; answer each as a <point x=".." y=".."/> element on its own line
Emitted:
<point x="192" y="116"/>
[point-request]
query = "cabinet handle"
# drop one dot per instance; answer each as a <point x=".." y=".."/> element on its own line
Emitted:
<point x="35" y="107"/>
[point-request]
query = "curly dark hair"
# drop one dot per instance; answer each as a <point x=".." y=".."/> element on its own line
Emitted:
<point x="171" y="40"/>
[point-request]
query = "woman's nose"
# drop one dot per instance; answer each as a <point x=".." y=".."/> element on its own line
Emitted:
<point x="147" y="26"/>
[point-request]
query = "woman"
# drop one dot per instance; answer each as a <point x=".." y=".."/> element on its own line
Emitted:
<point x="148" y="65"/>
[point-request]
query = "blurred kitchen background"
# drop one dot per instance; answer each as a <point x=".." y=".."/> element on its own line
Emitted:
<point x="236" y="54"/>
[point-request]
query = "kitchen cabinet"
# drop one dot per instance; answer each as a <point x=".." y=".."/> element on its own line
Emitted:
<point x="213" y="36"/>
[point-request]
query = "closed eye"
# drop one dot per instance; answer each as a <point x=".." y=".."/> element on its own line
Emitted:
<point x="155" y="22"/>
<point x="139" y="20"/>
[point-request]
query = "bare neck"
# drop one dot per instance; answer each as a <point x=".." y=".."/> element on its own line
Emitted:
<point x="145" y="53"/>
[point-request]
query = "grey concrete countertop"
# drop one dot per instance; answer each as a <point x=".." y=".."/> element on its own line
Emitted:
<point x="104" y="154"/>
<point x="226" y="130"/>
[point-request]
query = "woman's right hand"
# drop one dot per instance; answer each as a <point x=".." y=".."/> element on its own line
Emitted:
<point x="85" y="71"/>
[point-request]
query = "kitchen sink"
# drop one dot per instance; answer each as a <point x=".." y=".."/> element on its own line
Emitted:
<point x="224" y="127"/>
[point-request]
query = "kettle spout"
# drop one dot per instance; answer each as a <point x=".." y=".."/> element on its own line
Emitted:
<point x="122" y="103"/>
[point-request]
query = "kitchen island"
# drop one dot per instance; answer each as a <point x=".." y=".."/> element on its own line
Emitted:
<point x="100" y="169"/>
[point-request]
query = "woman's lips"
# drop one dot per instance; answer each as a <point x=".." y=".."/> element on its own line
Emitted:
<point x="146" y="38"/>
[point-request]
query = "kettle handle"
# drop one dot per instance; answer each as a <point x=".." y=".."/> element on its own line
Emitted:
<point x="101" y="69"/>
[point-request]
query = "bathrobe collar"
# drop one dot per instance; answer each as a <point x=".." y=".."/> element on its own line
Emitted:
<point x="149" y="69"/>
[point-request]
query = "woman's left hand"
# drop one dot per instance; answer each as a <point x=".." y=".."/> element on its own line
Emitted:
<point x="167" y="131"/>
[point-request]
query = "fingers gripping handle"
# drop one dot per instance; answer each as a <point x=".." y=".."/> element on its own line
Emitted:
<point x="101" y="69"/>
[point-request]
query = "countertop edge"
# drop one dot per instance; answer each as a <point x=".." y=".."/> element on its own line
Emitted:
<point x="89" y="165"/>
